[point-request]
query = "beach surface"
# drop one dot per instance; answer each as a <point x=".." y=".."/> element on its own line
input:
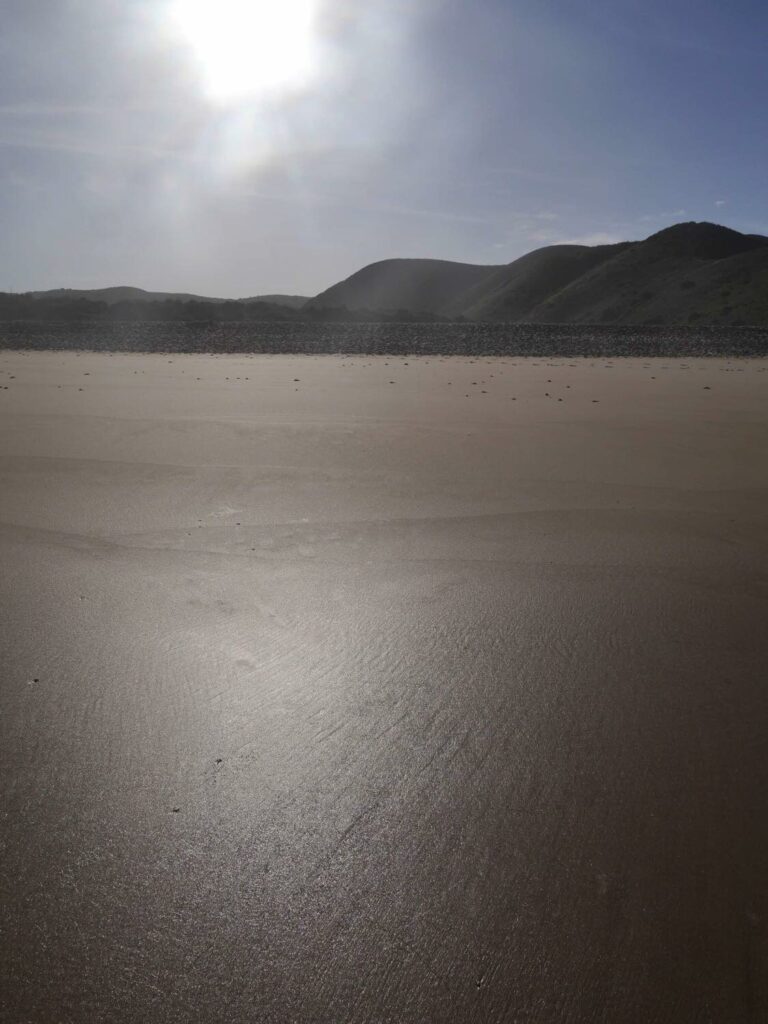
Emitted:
<point x="379" y="689"/>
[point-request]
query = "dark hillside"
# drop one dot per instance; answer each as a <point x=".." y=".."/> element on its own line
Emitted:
<point x="691" y="273"/>
<point x="420" y="286"/>
<point x="518" y="288"/>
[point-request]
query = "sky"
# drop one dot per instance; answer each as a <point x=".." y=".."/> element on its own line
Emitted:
<point x="245" y="147"/>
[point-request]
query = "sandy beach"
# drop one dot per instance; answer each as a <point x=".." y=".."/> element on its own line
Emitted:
<point x="379" y="689"/>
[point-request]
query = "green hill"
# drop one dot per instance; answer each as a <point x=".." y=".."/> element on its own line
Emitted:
<point x="688" y="273"/>
<point x="289" y="301"/>
<point x="685" y="274"/>
<point x="693" y="273"/>
<point x="119" y="293"/>
<point x="519" y="287"/>
<point x="418" y="286"/>
<point x="125" y="293"/>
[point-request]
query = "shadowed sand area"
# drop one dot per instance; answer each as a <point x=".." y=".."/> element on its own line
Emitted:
<point x="383" y="689"/>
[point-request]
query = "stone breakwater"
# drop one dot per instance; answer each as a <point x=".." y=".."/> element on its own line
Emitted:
<point x="484" y="339"/>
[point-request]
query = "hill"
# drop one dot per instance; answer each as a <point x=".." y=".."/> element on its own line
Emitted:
<point x="519" y="287"/>
<point x="118" y="293"/>
<point x="691" y="274"/>
<point x="687" y="273"/>
<point x="125" y="293"/>
<point x="289" y="301"/>
<point x="417" y="286"/>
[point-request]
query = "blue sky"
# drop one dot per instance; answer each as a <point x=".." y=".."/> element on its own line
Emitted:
<point x="472" y="131"/>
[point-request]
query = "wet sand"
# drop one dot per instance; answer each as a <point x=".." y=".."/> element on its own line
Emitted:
<point x="380" y="689"/>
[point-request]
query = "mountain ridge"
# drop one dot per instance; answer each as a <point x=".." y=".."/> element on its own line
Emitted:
<point x="690" y="272"/>
<point x="128" y="293"/>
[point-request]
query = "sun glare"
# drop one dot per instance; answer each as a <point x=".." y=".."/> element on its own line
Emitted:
<point x="248" y="48"/>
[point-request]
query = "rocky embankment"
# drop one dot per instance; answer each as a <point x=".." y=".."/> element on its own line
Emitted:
<point x="390" y="339"/>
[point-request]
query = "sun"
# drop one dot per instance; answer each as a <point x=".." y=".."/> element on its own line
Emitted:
<point x="248" y="48"/>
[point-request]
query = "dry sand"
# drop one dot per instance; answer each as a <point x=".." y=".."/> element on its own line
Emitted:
<point x="342" y="690"/>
